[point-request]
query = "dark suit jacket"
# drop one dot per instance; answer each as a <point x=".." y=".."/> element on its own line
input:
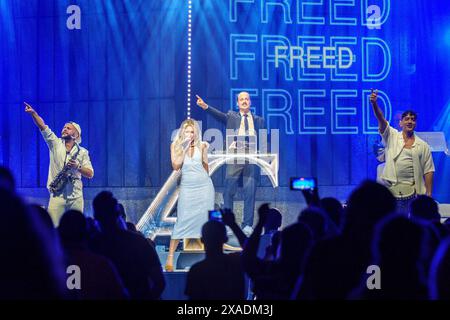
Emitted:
<point x="232" y="119"/>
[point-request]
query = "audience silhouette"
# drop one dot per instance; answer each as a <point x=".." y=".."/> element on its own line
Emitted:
<point x="330" y="252"/>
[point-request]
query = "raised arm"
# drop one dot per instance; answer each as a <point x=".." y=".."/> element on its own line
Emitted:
<point x="230" y="220"/>
<point x="35" y="116"/>
<point x="219" y="115"/>
<point x="177" y="160"/>
<point x="382" y="123"/>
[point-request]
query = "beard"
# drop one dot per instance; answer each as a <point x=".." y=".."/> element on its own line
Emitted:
<point x="67" y="137"/>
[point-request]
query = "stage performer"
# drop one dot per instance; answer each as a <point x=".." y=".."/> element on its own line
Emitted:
<point x="68" y="163"/>
<point x="243" y="123"/>
<point x="196" y="197"/>
<point x="409" y="165"/>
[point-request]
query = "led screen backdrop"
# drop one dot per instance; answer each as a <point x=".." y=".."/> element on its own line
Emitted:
<point x="120" y="69"/>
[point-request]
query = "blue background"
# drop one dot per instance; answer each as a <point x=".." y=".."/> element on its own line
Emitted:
<point x="122" y="77"/>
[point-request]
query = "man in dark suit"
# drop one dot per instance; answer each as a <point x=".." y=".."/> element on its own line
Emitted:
<point x="242" y="123"/>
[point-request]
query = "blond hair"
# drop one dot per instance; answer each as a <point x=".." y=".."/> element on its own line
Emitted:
<point x="177" y="143"/>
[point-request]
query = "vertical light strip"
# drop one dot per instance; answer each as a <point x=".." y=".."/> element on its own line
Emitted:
<point x="189" y="59"/>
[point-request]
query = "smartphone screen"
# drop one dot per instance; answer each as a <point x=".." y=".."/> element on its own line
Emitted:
<point x="303" y="183"/>
<point x="215" y="215"/>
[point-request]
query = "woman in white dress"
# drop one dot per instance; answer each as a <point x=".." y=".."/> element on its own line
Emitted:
<point x="196" y="196"/>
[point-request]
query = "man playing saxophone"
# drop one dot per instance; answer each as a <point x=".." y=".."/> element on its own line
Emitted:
<point x="68" y="162"/>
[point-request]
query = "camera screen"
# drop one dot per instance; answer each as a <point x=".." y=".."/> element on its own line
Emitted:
<point x="303" y="183"/>
<point x="215" y="215"/>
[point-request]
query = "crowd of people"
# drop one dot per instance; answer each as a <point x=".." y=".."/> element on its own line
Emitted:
<point x="326" y="254"/>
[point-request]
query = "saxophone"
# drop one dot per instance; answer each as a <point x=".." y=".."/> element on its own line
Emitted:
<point x="63" y="176"/>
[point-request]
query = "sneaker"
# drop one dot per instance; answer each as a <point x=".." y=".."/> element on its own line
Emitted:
<point x="247" y="230"/>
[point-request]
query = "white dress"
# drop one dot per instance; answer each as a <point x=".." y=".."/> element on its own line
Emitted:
<point x="195" y="199"/>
